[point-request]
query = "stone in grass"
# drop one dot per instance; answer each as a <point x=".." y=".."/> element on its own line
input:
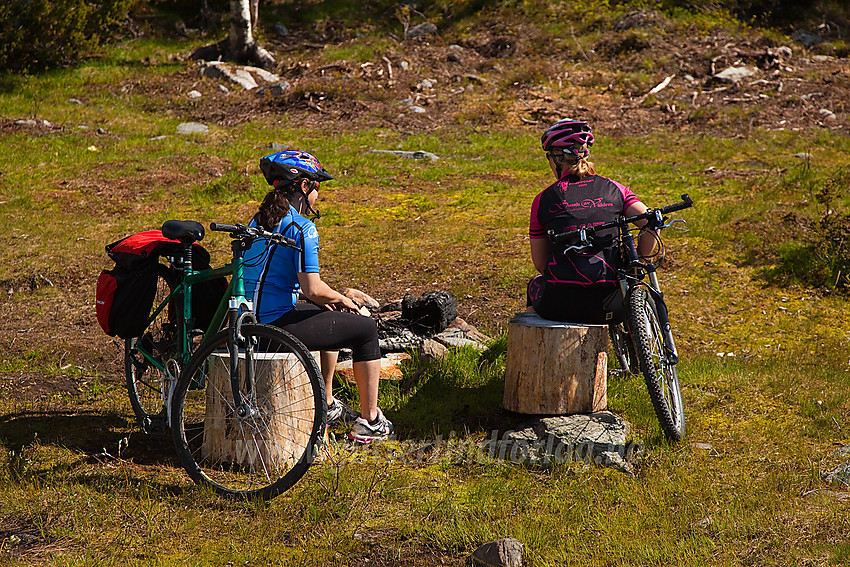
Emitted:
<point x="598" y="438"/>
<point x="733" y="74"/>
<point x="505" y="552"/>
<point x="192" y="128"/>
<point x="843" y="450"/>
<point x="838" y="475"/>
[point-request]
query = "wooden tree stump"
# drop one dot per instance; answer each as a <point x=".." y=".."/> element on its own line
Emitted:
<point x="555" y="368"/>
<point x="287" y="409"/>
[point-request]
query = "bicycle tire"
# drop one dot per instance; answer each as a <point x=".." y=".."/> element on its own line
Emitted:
<point x="147" y="385"/>
<point x="624" y="350"/>
<point x="661" y="378"/>
<point x="265" y="453"/>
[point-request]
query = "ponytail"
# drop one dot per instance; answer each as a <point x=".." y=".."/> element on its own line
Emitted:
<point x="582" y="168"/>
<point x="579" y="166"/>
<point x="275" y="205"/>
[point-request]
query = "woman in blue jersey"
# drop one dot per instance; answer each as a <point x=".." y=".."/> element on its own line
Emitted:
<point x="578" y="287"/>
<point x="276" y="275"/>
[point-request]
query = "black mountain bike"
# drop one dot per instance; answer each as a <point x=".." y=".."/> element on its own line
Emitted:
<point x="644" y="342"/>
<point x="245" y="402"/>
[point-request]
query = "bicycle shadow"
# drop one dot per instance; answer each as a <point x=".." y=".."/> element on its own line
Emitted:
<point x="96" y="438"/>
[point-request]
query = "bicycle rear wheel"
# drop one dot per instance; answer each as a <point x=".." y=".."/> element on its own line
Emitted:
<point x="623" y="348"/>
<point x="147" y="383"/>
<point x="661" y="377"/>
<point x="262" y="448"/>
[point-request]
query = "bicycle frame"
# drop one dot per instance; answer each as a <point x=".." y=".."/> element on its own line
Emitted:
<point x="233" y="305"/>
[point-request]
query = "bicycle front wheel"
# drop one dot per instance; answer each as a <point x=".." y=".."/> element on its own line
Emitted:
<point x="148" y="381"/>
<point x="661" y="377"/>
<point x="261" y="447"/>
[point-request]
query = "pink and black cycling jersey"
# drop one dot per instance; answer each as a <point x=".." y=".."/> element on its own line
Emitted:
<point x="571" y="204"/>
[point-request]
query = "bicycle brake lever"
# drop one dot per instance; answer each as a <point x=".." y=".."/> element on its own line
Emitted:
<point x="671" y="223"/>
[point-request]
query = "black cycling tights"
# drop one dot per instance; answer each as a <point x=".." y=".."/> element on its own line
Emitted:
<point x="593" y="305"/>
<point x="321" y="329"/>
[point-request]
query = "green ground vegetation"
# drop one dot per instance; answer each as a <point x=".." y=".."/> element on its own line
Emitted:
<point x="756" y="282"/>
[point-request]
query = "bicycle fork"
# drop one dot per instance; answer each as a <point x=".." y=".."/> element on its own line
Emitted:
<point x="671" y="355"/>
<point x="244" y="408"/>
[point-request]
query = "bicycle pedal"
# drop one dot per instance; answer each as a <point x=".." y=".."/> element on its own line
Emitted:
<point x="155" y="426"/>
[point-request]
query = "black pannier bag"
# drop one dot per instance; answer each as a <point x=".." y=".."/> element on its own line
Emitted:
<point x="125" y="293"/>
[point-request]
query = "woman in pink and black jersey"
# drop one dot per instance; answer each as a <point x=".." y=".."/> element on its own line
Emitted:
<point x="577" y="287"/>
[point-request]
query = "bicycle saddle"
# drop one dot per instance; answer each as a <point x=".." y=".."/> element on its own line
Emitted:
<point x="186" y="232"/>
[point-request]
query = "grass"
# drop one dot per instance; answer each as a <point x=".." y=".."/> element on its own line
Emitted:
<point x="764" y="363"/>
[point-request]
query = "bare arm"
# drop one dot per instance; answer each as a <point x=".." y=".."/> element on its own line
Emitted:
<point x="321" y="293"/>
<point x="540" y="253"/>
<point x="648" y="239"/>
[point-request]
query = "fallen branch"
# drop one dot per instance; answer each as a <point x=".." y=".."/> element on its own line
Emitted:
<point x="660" y="86"/>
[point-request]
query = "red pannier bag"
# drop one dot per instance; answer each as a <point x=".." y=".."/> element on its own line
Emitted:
<point x="125" y="294"/>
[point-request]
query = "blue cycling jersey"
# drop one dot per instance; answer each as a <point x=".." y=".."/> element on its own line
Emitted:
<point x="271" y="271"/>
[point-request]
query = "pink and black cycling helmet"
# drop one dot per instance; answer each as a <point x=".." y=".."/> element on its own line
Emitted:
<point x="568" y="136"/>
<point x="290" y="165"/>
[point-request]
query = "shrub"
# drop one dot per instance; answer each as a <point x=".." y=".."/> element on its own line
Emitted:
<point x="37" y="34"/>
<point x="823" y="260"/>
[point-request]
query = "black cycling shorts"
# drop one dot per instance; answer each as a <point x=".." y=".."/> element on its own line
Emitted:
<point x="567" y="303"/>
<point x="321" y="329"/>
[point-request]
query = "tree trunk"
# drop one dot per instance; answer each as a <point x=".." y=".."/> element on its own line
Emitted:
<point x="555" y="368"/>
<point x="243" y="48"/>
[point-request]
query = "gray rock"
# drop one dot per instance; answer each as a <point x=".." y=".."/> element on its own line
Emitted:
<point x="276" y="147"/>
<point x="26" y="122"/>
<point x="194" y="94"/>
<point x="403" y="341"/>
<point x="838" y="475"/>
<point x="431" y="349"/>
<point x="75" y="101"/>
<point x="279" y="88"/>
<point x="734" y="74"/>
<point x="417" y="109"/>
<point x="244" y="79"/>
<point x="192" y="128"/>
<point x="422" y="30"/>
<point x="458" y="338"/>
<point x="827" y="114"/>
<point x="843" y="450"/>
<point x="219" y="70"/>
<point x="262" y="74"/>
<point x="280" y="30"/>
<point x="418" y="154"/>
<point x="506" y="552"/>
<point x="807" y="38"/>
<point x="598" y="438"/>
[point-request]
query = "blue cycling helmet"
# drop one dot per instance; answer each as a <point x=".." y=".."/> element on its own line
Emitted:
<point x="290" y="165"/>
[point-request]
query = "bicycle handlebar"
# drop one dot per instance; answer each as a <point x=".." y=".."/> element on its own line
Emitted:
<point x="237" y="230"/>
<point x="686" y="202"/>
<point x="654" y="216"/>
